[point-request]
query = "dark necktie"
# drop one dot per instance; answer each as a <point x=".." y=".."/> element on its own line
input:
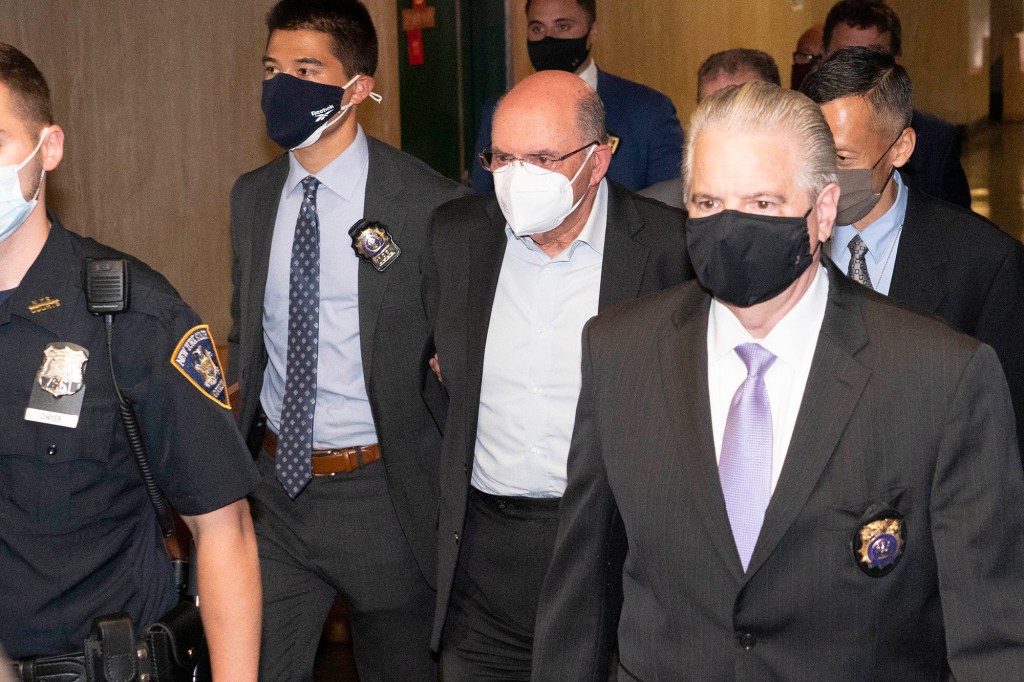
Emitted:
<point x="745" y="463"/>
<point x="295" y="442"/>
<point x="858" y="270"/>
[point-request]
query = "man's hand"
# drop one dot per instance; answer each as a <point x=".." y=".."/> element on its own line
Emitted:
<point x="436" y="367"/>
<point x="230" y="598"/>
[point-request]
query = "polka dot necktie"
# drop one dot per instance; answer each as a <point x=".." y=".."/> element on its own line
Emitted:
<point x="858" y="270"/>
<point x="745" y="462"/>
<point x="294" y="466"/>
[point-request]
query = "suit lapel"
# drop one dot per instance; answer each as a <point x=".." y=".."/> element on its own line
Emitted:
<point x="625" y="259"/>
<point x="920" y="255"/>
<point x="487" y="245"/>
<point x="834" y="387"/>
<point x="381" y="204"/>
<point x="684" y="361"/>
<point x="264" y="217"/>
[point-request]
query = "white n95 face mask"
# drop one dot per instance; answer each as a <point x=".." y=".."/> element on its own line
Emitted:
<point x="14" y="207"/>
<point x="535" y="200"/>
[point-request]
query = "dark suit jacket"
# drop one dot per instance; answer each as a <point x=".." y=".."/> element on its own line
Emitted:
<point x="934" y="167"/>
<point x="898" y="409"/>
<point x="955" y="264"/>
<point x="650" y="137"/>
<point x="644" y="251"/>
<point x="401" y="192"/>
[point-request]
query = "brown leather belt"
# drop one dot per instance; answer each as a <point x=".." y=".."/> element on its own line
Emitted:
<point x="331" y="462"/>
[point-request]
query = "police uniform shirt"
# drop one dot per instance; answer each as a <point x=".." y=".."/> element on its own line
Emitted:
<point x="79" y="536"/>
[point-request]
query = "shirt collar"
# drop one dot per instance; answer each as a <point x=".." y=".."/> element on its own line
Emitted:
<point x="589" y="73"/>
<point x="55" y="276"/>
<point x="341" y="176"/>
<point x="592" y="235"/>
<point x="789" y="340"/>
<point x="879" y="235"/>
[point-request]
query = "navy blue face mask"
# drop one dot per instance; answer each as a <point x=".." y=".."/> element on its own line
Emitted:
<point x="298" y="111"/>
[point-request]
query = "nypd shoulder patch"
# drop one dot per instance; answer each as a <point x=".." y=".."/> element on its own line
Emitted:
<point x="196" y="358"/>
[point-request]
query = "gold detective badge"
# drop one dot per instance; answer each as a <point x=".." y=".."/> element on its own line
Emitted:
<point x="373" y="243"/>
<point x="879" y="542"/>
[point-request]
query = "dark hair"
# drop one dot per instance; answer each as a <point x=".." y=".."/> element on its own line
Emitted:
<point x="588" y="6"/>
<point x="865" y="14"/>
<point x="865" y="72"/>
<point x="732" y="62"/>
<point x="347" y="22"/>
<point x="31" y="94"/>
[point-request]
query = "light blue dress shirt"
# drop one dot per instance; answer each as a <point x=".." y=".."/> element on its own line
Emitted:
<point x="531" y="373"/>
<point x="882" y="238"/>
<point x="342" y="417"/>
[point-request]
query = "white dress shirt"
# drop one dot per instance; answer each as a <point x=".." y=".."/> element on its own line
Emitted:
<point x="589" y="73"/>
<point x="342" y="417"/>
<point x="792" y="341"/>
<point x="531" y="373"/>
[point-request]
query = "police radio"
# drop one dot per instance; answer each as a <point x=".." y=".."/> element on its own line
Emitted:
<point x="107" y="283"/>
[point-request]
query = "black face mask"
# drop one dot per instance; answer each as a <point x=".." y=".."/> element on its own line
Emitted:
<point x="558" y="54"/>
<point x="297" y="108"/>
<point x="745" y="259"/>
<point x="798" y="73"/>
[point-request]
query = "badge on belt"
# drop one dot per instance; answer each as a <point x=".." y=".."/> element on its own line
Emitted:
<point x="59" y="386"/>
<point x="879" y="541"/>
<point x="372" y="242"/>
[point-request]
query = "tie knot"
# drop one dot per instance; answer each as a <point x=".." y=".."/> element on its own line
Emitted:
<point x="309" y="185"/>
<point x="857" y="247"/>
<point x="756" y="357"/>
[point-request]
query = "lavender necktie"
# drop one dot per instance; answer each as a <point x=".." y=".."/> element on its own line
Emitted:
<point x="745" y="464"/>
<point x="295" y="445"/>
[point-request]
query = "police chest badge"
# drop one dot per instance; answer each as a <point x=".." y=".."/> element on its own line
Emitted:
<point x="59" y="385"/>
<point x="879" y="541"/>
<point x="196" y="358"/>
<point x="372" y="242"/>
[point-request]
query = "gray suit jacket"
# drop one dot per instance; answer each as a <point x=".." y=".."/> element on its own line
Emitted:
<point x="644" y="251"/>
<point x="401" y="193"/>
<point x="899" y="411"/>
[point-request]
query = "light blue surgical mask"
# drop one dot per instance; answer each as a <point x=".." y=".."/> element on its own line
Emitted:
<point x="14" y="207"/>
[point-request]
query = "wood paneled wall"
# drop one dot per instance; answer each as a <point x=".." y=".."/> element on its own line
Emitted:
<point x="662" y="43"/>
<point x="160" y="102"/>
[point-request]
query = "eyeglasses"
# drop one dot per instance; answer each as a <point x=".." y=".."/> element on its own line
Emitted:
<point x="538" y="164"/>
<point x="805" y="58"/>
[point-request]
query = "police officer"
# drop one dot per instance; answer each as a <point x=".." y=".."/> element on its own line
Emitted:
<point x="80" y="538"/>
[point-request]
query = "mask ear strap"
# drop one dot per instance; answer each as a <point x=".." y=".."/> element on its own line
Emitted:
<point x="373" y="95"/>
<point x="42" y="137"/>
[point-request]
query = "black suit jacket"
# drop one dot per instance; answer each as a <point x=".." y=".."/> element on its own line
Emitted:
<point x="955" y="264"/>
<point x="644" y="251"/>
<point x="401" y="192"/>
<point x="898" y="410"/>
<point x="935" y="166"/>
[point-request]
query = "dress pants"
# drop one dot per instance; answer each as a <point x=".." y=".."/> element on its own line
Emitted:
<point x="340" y="535"/>
<point x="507" y="544"/>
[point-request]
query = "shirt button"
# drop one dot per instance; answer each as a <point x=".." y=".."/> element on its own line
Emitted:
<point x="536" y="389"/>
<point x="534" y="451"/>
<point x="747" y="640"/>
